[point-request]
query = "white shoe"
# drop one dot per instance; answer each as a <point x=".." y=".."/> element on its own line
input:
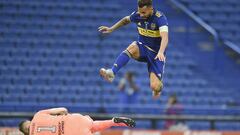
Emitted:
<point x="107" y="74"/>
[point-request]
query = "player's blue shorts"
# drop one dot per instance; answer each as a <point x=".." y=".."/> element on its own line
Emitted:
<point x="147" y="56"/>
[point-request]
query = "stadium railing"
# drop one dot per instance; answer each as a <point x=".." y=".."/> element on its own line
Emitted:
<point x="206" y="26"/>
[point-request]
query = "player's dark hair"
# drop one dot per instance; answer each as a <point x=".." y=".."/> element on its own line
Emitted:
<point x="142" y="3"/>
<point x="21" y="128"/>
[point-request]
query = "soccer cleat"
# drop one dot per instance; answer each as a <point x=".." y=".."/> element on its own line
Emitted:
<point x="107" y="74"/>
<point x="127" y="121"/>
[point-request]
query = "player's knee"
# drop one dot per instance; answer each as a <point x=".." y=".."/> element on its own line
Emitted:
<point x="156" y="86"/>
<point x="133" y="50"/>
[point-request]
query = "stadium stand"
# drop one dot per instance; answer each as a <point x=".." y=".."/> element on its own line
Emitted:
<point x="221" y="15"/>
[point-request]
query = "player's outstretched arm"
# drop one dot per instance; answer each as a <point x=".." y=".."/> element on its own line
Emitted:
<point x="122" y="22"/>
<point x="55" y="111"/>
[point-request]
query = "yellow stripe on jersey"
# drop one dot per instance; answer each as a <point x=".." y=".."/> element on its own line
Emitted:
<point x="149" y="33"/>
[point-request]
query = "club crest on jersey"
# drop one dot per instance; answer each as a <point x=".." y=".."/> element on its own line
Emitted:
<point x="158" y="14"/>
<point x="153" y="26"/>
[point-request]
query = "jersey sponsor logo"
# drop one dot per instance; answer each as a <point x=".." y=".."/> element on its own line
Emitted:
<point x="149" y="33"/>
<point x="158" y="14"/>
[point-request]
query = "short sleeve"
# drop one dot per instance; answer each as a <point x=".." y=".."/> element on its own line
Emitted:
<point x="162" y="21"/>
<point x="133" y="17"/>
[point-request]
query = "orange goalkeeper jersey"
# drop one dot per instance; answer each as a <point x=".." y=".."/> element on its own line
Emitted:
<point x="71" y="124"/>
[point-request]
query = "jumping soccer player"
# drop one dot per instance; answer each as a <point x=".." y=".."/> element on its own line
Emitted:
<point x="150" y="48"/>
<point x="57" y="121"/>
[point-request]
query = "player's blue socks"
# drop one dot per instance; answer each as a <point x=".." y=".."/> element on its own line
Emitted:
<point x="121" y="61"/>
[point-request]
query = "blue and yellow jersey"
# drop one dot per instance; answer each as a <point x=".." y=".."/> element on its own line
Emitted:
<point x="148" y="29"/>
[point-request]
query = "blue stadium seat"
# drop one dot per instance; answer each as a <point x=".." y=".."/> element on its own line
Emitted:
<point x="217" y="13"/>
<point x="143" y="124"/>
<point x="227" y="125"/>
<point x="198" y="125"/>
<point x="10" y="122"/>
